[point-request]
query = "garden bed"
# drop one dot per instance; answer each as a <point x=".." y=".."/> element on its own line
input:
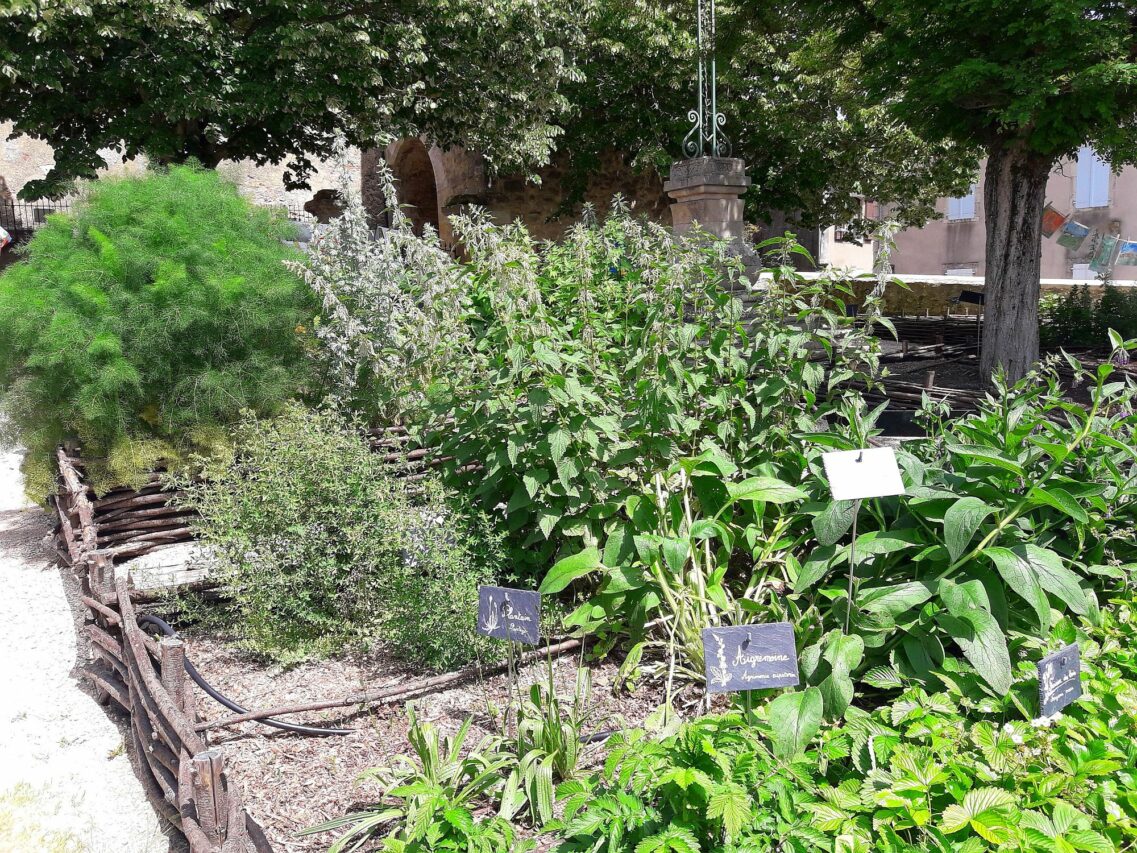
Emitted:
<point x="290" y="782"/>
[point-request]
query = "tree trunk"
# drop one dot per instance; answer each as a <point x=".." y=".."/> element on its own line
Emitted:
<point x="1014" y="195"/>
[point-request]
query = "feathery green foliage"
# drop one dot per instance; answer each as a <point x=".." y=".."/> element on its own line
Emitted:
<point x="145" y="322"/>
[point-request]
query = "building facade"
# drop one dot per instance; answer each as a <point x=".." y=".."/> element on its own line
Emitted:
<point x="1086" y="187"/>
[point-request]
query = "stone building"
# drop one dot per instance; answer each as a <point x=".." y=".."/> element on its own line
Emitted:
<point x="434" y="185"/>
<point x="1086" y="187"/>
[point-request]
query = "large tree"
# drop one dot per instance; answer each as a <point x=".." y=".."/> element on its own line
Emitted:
<point x="814" y="139"/>
<point x="278" y="80"/>
<point x="1029" y="81"/>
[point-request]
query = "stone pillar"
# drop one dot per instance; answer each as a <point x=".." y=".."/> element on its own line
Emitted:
<point x="708" y="190"/>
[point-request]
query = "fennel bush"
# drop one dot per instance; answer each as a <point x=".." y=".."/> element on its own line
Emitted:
<point x="141" y="325"/>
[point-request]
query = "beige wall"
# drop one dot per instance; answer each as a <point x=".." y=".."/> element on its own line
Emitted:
<point x="942" y="245"/>
<point x="23" y="159"/>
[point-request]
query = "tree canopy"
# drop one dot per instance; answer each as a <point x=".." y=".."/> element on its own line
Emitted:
<point x="278" y="81"/>
<point x="813" y="137"/>
<point x="1028" y="81"/>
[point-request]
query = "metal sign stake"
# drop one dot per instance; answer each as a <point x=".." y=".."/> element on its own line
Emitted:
<point x="852" y="564"/>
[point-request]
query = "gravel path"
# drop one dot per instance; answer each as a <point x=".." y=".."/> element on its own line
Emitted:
<point x="66" y="783"/>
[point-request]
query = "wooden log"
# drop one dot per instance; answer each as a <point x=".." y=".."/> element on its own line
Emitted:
<point x="209" y="794"/>
<point x="165" y="521"/>
<point x="236" y="838"/>
<point x="172" y="661"/>
<point x="111" y="686"/>
<point x="153" y="509"/>
<point x="398" y="691"/>
<point x="133" y="646"/>
<point x="108" y="644"/>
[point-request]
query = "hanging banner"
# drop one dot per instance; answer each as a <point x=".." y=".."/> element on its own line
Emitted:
<point x="1052" y="220"/>
<point x="1103" y="257"/>
<point x="1127" y="257"/>
<point x="1073" y="235"/>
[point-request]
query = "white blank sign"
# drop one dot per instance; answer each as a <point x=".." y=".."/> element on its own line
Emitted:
<point x="868" y="473"/>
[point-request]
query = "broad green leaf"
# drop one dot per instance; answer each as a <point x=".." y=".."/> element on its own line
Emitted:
<point x="988" y="454"/>
<point x="730" y="804"/>
<point x="961" y="521"/>
<point x="1062" y="501"/>
<point x="1021" y="576"/>
<point x="558" y="443"/>
<point x="986" y="811"/>
<point x="794" y="720"/>
<point x="894" y="600"/>
<point x="877" y="542"/>
<point x="769" y="489"/>
<point x="569" y="569"/>
<point x="978" y="634"/>
<point x="833" y="522"/>
<point x="1055" y="577"/>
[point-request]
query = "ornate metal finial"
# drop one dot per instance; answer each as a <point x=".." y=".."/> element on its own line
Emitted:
<point x="705" y="137"/>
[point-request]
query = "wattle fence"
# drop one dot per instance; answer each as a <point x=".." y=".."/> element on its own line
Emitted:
<point x="147" y="678"/>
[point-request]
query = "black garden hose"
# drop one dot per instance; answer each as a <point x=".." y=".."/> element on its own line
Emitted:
<point x="191" y="670"/>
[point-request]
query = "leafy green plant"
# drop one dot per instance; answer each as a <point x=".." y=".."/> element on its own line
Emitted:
<point x="1078" y="319"/>
<point x="712" y="786"/>
<point x="1028" y="502"/>
<point x="612" y="355"/>
<point x="430" y="804"/>
<point x="548" y="747"/>
<point x="671" y="556"/>
<point x="319" y="547"/>
<point x="143" y="324"/>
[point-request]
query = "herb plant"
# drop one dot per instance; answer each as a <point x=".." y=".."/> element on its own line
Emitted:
<point x="320" y="548"/>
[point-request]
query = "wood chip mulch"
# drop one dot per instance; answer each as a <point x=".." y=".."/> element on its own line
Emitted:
<point x="290" y="781"/>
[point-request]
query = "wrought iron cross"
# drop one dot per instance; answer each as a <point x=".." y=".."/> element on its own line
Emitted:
<point x="705" y="137"/>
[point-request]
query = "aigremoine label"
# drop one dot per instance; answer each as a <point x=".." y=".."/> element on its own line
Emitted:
<point x="750" y="657"/>
<point x="509" y="614"/>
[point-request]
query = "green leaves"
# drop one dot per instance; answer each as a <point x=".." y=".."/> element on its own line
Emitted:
<point x="1022" y="578"/>
<point x="961" y="522"/>
<point x="969" y="622"/>
<point x="730" y="804"/>
<point x="988" y="812"/>
<point x="569" y="569"/>
<point x="766" y="489"/>
<point x="794" y="721"/>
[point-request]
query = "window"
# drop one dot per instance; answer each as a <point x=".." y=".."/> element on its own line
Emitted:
<point x="960" y="271"/>
<point x="1082" y="272"/>
<point x="962" y="207"/>
<point x="1091" y="184"/>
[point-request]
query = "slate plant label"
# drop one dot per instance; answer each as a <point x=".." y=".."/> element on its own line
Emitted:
<point x="868" y="473"/>
<point x="750" y="657"/>
<point x="509" y="614"/>
<point x="1059" y="679"/>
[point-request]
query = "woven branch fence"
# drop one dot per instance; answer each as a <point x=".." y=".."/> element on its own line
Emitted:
<point x="146" y="677"/>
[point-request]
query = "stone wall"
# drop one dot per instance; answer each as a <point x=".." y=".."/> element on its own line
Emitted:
<point x="458" y="179"/>
<point x="23" y="159"/>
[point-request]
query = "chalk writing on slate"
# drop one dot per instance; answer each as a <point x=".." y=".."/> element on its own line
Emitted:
<point x="1059" y="679"/>
<point x="509" y="614"/>
<point x="750" y="657"/>
<point x="868" y="473"/>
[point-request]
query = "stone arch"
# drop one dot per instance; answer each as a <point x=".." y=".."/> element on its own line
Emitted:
<point x="416" y="183"/>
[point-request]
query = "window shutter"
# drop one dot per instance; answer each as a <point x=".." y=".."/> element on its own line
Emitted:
<point x="1091" y="183"/>
<point x="962" y="207"/>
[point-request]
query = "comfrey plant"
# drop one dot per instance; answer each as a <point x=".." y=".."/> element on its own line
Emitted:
<point x="393" y="305"/>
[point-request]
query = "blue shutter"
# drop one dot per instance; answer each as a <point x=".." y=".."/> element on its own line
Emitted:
<point x="1091" y="183"/>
